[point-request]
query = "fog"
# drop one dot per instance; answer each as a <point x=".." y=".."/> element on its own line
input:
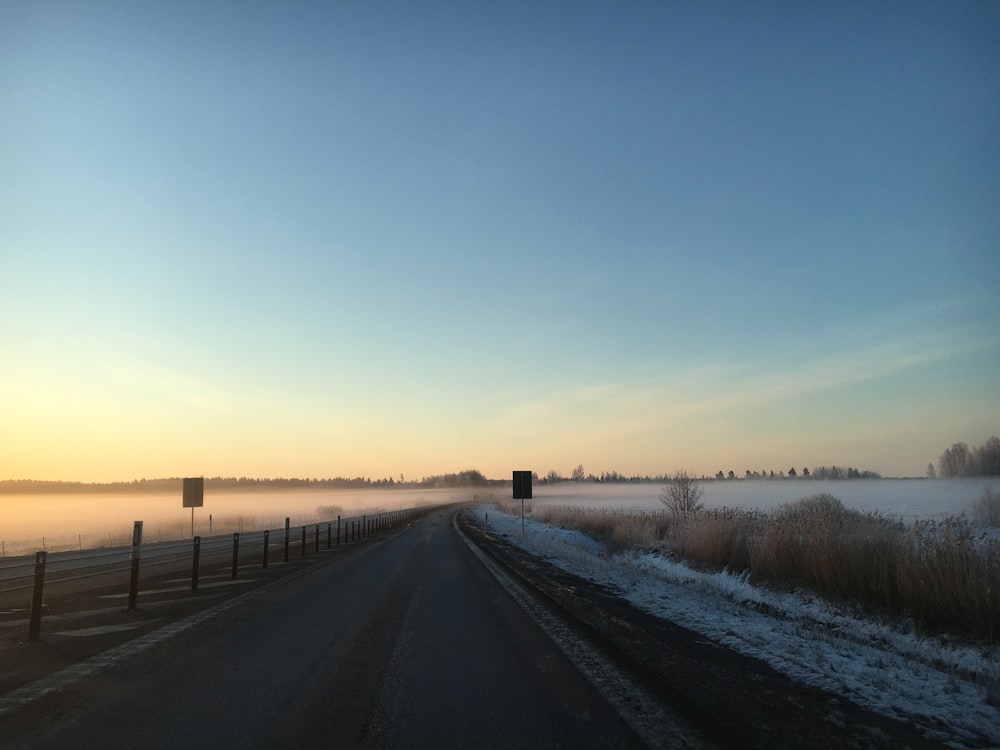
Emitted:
<point x="68" y="521"/>
<point x="907" y="498"/>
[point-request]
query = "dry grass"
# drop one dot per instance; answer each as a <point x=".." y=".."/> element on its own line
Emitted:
<point x="986" y="510"/>
<point x="945" y="575"/>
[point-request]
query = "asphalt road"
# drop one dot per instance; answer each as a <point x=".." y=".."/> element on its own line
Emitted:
<point x="410" y="642"/>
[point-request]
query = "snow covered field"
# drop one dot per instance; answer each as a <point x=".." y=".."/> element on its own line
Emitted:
<point x="884" y="667"/>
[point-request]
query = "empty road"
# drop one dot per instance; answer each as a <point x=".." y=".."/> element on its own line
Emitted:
<point x="410" y="642"/>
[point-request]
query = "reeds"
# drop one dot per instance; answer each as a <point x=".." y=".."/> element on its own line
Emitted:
<point x="944" y="574"/>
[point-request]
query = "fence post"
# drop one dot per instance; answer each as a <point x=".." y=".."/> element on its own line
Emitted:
<point x="317" y="538"/>
<point x="267" y="543"/>
<point x="35" y="620"/>
<point x="329" y="535"/>
<point x="338" y="531"/>
<point x="364" y="520"/>
<point x="133" y="586"/>
<point x="303" y="541"/>
<point x="194" y="563"/>
<point x="286" y="538"/>
<point x="236" y="552"/>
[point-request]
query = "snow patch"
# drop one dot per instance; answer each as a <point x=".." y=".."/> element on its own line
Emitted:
<point x="885" y="667"/>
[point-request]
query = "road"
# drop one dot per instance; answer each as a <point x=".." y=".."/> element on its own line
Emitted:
<point x="410" y="642"/>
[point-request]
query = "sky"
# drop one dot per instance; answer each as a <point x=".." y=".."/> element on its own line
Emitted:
<point x="384" y="239"/>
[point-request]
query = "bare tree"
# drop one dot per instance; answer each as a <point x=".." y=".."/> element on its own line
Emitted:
<point x="682" y="494"/>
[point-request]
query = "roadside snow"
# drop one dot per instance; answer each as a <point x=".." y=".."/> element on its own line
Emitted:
<point x="880" y="666"/>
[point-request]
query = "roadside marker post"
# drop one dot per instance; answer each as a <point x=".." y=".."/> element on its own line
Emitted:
<point x="35" y="619"/>
<point x="236" y="553"/>
<point x="136" y="552"/>
<point x="194" y="563"/>
<point x="287" y="531"/>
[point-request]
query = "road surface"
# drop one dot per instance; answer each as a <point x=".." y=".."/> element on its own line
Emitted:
<point x="411" y="642"/>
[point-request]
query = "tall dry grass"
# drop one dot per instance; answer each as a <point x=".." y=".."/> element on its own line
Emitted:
<point x="944" y="574"/>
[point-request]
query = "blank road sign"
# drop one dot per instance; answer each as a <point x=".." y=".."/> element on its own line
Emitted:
<point x="522" y="485"/>
<point x="194" y="492"/>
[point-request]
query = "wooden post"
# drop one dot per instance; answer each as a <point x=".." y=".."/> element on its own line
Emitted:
<point x="303" y="541"/>
<point x="35" y="619"/>
<point x="267" y="543"/>
<point x="338" y="531"/>
<point x="317" y="538"/>
<point x="286" y="538"/>
<point x="133" y="586"/>
<point x="195" y="562"/>
<point x="236" y="553"/>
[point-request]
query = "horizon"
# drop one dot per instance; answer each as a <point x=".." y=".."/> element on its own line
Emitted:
<point x="246" y="240"/>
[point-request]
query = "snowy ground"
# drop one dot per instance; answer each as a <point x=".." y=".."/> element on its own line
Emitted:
<point x="880" y="666"/>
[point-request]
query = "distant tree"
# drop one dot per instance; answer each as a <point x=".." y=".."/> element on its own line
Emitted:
<point x="805" y="472"/>
<point x="553" y="476"/>
<point x="682" y="494"/>
<point x="578" y="475"/>
<point x="988" y="458"/>
<point x="731" y="475"/>
<point x="791" y="473"/>
<point x="720" y="475"/>
<point x="954" y="461"/>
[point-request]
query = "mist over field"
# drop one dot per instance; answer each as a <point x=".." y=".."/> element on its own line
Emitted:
<point x="94" y="520"/>
<point x="63" y="521"/>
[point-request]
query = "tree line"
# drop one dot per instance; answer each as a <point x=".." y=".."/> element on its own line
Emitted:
<point x="467" y="478"/>
<point x="818" y="472"/>
<point x="962" y="461"/>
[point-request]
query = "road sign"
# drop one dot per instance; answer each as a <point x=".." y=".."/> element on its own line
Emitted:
<point x="522" y="485"/>
<point x="194" y="492"/>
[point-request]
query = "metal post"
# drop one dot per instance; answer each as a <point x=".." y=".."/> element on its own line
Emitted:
<point x="267" y="543"/>
<point x="35" y="619"/>
<point x="236" y="553"/>
<point x="133" y="586"/>
<point x="286" y="538"/>
<point x="194" y="563"/>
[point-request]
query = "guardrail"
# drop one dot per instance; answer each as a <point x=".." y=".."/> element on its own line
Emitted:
<point x="72" y="569"/>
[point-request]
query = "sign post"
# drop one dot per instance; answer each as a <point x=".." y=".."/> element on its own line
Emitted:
<point x="522" y="491"/>
<point x="194" y="496"/>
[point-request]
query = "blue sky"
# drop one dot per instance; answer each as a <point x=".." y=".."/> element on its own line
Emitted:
<point x="326" y="239"/>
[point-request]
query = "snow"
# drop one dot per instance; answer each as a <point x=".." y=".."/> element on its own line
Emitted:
<point x="883" y="666"/>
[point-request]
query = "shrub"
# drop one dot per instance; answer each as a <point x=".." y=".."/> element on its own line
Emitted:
<point x="682" y="494"/>
<point x="986" y="510"/>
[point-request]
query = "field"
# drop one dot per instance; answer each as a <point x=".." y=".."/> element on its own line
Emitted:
<point x="943" y="573"/>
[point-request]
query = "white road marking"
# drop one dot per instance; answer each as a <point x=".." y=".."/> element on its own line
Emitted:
<point x="103" y="629"/>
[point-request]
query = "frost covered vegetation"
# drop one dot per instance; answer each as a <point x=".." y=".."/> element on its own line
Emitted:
<point x="949" y="687"/>
<point x="944" y="574"/>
